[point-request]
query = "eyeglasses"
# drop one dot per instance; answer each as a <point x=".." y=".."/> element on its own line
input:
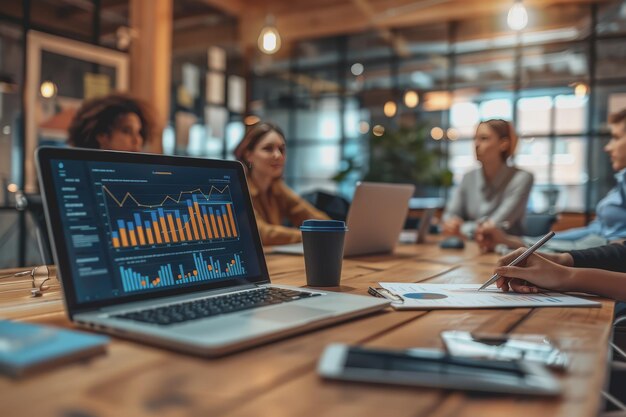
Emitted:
<point x="40" y="279"/>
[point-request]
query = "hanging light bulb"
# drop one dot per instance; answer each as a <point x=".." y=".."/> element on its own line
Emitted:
<point x="518" y="16"/>
<point x="269" y="38"/>
<point x="580" y="90"/>
<point x="411" y="99"/>
<point x="48" y="89"/>
<point x="390" y="108"/>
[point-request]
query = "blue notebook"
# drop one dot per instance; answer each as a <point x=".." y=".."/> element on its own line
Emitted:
<point x="26" y="348"/>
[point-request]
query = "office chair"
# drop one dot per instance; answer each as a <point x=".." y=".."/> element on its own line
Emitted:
<point x="538" y="224"/>
<point x="33" y="204"/>
<point x="616" y="367"/>
<point x="335" y="206"/>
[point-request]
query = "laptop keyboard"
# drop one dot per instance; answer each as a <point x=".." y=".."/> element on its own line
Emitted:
<point x="213" y="306"/>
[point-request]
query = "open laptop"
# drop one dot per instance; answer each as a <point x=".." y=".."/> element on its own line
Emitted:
<point x="166" y="250"/>
<point x="375" y="219"/>
<point x="419" y="235"/>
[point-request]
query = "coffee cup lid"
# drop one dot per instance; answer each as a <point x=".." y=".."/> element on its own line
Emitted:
<point x="323" y="226"/>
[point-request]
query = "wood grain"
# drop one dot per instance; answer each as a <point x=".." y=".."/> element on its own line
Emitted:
<point x="279" y="379"/>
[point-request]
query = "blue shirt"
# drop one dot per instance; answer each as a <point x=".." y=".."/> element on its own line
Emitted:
<point x="610" y="221"/>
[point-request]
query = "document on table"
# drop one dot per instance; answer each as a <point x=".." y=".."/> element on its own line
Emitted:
<point x="451" y="296"/>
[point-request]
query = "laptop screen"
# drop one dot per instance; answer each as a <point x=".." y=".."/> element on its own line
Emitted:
<point x="138" y="228"/>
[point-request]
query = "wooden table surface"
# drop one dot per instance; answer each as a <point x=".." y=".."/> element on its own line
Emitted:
<point x="279" y="379"/>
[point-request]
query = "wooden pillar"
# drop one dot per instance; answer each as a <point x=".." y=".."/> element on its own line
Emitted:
<point x="151" y="59"/>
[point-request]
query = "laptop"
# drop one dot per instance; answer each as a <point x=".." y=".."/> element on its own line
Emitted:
<point x="165" y="250"/>
<point x="419" y="235"/>
<point x="375" y="219"/>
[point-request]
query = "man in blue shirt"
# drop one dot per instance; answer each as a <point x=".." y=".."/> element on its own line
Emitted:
<point x="610" y="222"/>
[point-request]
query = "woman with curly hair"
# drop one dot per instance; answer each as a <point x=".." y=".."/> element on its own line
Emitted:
<point x="116" y="122"/>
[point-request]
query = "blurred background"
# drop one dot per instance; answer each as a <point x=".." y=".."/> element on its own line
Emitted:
<point x="383" y="90"/>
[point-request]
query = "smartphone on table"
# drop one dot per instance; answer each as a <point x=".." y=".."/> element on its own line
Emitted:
<point x="435" y="369"/>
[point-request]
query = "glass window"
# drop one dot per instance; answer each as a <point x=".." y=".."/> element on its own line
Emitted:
<point x="569" y="173"/>
<point x="423" y="73"/>
<point x="499" y="108"/>
<point x="570" y="114"/>
<point x="611" y="58"/>
<point x="367" y="46"/>
<point x="11" y="53"/>
<point x="462" y="158"/>
<point x="464" y="116"/>
<point x="609" y="99"/>
<point x="484" y="68"/>
<point x="533" y="115"/>
<point x="314" y="161"/>
<point x="320" y="121"/>
<point x="559" y="64"/>
<point x="425" y="39"/>
<point x="612" y="18"/>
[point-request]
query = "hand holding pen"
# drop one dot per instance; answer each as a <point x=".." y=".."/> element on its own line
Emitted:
<point x="518" y="260"/>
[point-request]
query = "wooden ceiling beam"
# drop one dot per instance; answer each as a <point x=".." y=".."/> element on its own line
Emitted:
<point x="231" y="7"/>
<point x="355" y="16"/>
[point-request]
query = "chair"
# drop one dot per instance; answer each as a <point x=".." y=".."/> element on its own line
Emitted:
<point x="335" y="206"/>
<point x="538" y="224"/>
<point x="33" y="204"/>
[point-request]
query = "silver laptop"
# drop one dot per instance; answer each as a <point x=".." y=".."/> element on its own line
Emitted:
<point x="375" y="219"/>
<point x="165" y="250"/>
<point x="419" y="235"/>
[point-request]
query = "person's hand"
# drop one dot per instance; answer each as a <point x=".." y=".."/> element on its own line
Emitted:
<point x="452" y="226"/>
<point x="532" y="274"/>
<point x="488" y="235"/>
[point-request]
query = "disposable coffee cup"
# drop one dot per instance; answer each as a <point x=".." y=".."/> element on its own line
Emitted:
<point x="323" y="251"/>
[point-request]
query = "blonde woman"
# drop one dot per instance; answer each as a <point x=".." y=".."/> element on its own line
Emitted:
<point x="496" y="192"/>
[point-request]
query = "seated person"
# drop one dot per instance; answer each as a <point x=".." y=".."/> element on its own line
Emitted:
<point x="497" y="191"/>
<point x="610" y="222"/>
<point x="600" y="271"/>
<point x="116" y="122"/>
<point x="262" y="151"/>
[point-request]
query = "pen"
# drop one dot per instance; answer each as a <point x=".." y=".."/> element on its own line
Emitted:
<point x="384" y="293"/>
<point x="520" y="258"/>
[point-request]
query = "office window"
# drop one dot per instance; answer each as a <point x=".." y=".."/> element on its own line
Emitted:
<point x="464" y="117"/>
<point x="499" y="108"/>
<point x="463" y="73"/>
<point x="570" y="114"/>
<point x="533" y="115"/>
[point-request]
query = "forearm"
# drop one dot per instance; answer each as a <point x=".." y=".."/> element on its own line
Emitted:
<point x="611" y="257"/>
<point x="596" y="281"/>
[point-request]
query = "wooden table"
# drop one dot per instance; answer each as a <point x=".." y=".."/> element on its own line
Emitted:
<point x="279" y="379"/>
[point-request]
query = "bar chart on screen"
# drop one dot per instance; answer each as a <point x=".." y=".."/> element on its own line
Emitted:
<point x="195" y="267"/>
<point x="148" y="215"/>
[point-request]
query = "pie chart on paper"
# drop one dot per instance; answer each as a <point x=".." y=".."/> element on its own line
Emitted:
<point x="424" y="296"/>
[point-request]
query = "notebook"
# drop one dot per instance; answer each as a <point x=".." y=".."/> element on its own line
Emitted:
<point x="27" y="348"/>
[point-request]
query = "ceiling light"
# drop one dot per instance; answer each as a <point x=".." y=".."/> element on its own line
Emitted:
<point x="48" y="89"/>
<point x="357" y="68"/>
<point x="378" y="130"/>
<point x="411" y="99"/>
<point x="364" y="127"/>
<point x="581" y="90"/>
<point x="269" y="38"/>
<point x="390" y="108"/>
<point x="518" y="16"/>
<point x="452" y="134"/>
<point x="436" y="133"/>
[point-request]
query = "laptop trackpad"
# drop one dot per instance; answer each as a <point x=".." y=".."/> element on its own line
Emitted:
<point x="288" y="314"/>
